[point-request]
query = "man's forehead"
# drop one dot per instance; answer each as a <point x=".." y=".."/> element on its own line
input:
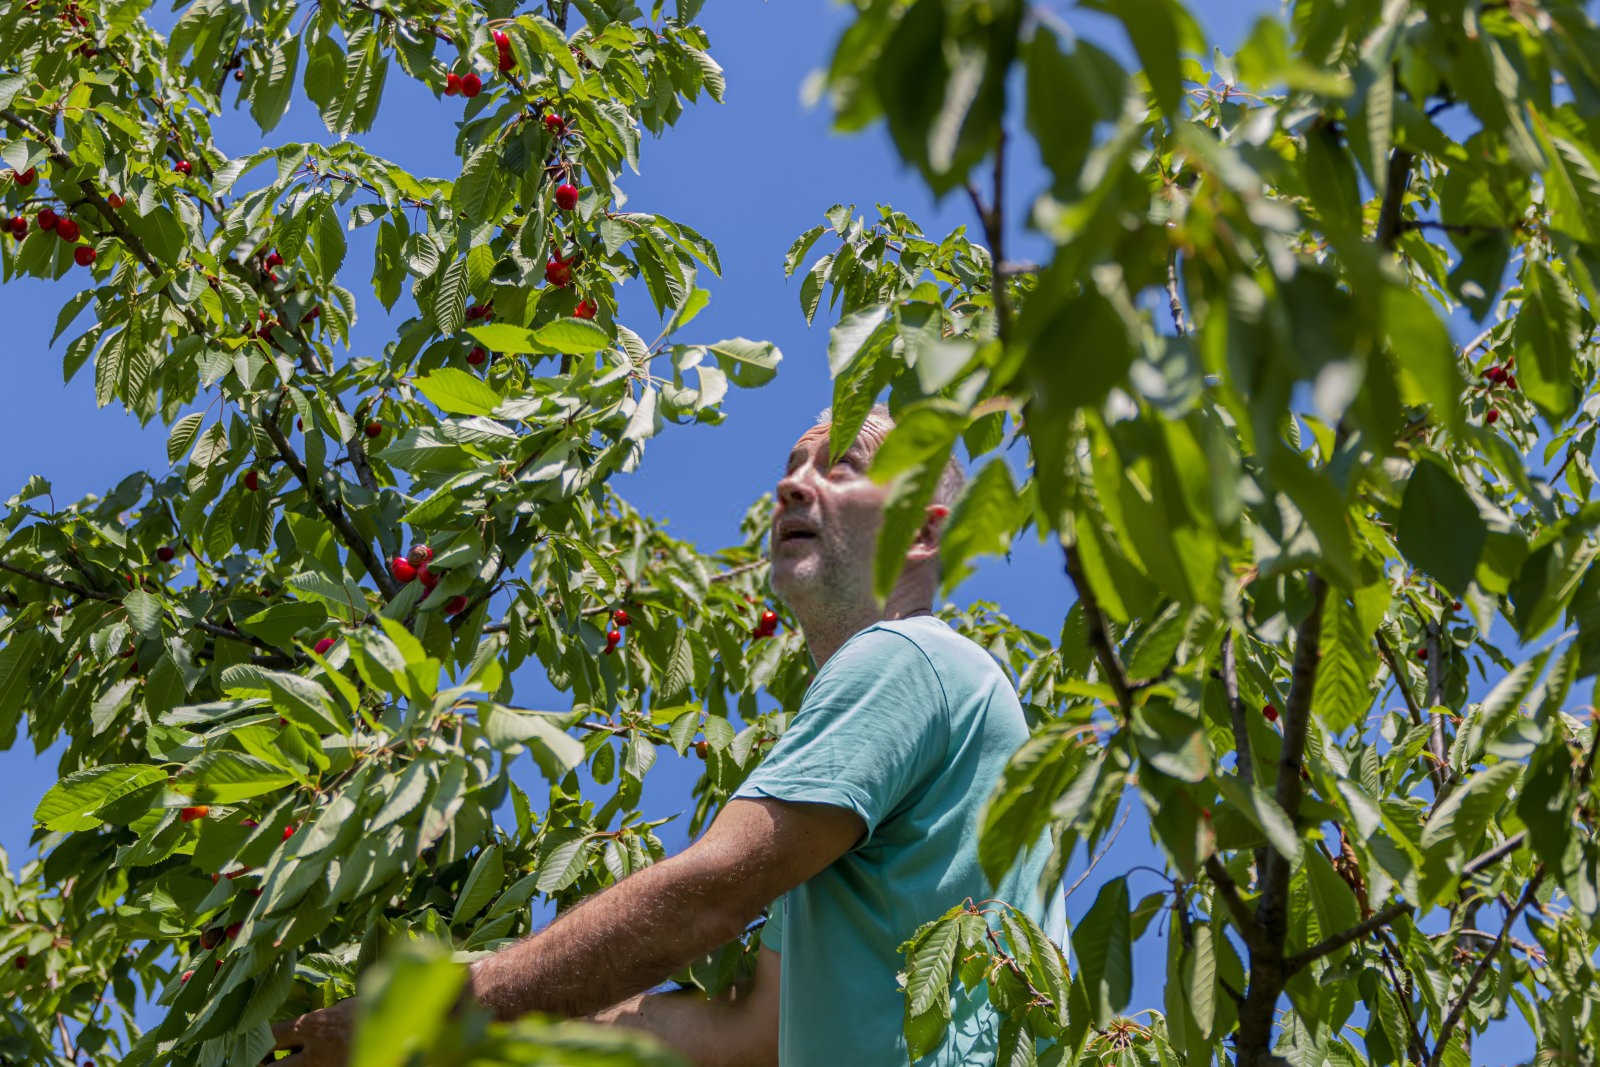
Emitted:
<point x="868" y="439"/>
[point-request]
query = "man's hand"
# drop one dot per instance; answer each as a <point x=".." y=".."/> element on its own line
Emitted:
<point x="317" y="1038"/>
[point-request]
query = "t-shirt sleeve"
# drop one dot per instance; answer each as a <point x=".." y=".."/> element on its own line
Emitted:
<point x="772" y="931"/>
<point x="873" y="727"/>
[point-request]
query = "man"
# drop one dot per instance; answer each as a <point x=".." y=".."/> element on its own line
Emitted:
<point x="860" y="825"/>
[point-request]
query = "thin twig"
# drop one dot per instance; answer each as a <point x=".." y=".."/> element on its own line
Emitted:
<point x="1176" y="305"/>
<point x="1460" y="1005"/>
<point x="1095" y="861"/>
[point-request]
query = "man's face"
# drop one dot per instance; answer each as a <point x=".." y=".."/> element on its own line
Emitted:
<point x="825" y="525"/>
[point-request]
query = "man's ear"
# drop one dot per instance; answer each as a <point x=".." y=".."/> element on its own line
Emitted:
<point x="926" y="544"/>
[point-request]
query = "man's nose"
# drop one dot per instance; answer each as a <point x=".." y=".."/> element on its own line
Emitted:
<point x="792" y="488"/>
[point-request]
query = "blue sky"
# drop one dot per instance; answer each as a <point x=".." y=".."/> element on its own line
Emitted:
<point x="750" y="174"/>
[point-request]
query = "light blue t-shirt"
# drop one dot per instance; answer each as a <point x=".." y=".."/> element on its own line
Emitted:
<point x="908" y="725"/>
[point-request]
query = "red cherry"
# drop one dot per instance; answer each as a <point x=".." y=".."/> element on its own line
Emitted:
<point x="251" y="823"/>
<point x="1495" y="374"/>
<point x="701" y="749"/>
<point x="620" y="617"/>
<point x="585" y="309"/>
<point x="456" y="604"/>
<point x="471" y="86"/>
<point x="769" y="620"/>
<point x="299" y="423"/>
<point x="323" y="646"/>
<point x="185" y="976"/>
<point x="429" y="579"/>
<point x="197" y="811"/>
<point x="558" y="272"/>
<point x="613" y="636"/>
<point x="555" y="124"/>
<point x="214" y="878"/>
<point x="476" y="356"/>
<point x="83" y="255"/>
<point x="183" y="167"/>
<point x="252" y="480"/>
<point x="1455" y="605"/>
<point x="1511" y="382"/>
<point x="566" y="196"/>
<point x="501" y="40"/>
<point x="1270" y="712"/>
<point x="373" y="428"/>
<point x="507" y="62"/>
<point x="1422" y="653"/>
<point x="315" y="312"/>
<point x="274" y="259"/>
<point x="452" y="84"/>
<point x="420" y="554"/>
<point x="165" y="553"/>
<point x="232" y="932"/>
<point x="47" y="219"/>
<point x="288" y="831"/>
<point x="402" y="569"/>
<point x="18" y="226"/>
<point x="21" y="963"/>
<point x="67" y="230"/>
<point x="114" y="200"/>
<point x="238" y="75"/>
<point x="1492" y="415"/>
<point x="26" y="177"/>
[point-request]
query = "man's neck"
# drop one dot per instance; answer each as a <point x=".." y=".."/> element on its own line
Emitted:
<point x="826" y="634"/>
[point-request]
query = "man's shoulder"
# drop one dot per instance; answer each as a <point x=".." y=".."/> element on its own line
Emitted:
<point x="927" y="639"/>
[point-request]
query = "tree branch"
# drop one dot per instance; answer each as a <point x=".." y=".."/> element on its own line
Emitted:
<point x="331" y="509"/>
<point x="1228" y="890"/>
<point x="1338" y="941"/>
<point x="1453" y="1017"/>
<point x="993" y="220"/>
<point x="1494" y="855"/>
<point x="1099" y="632"/>
<point x="1241" y="730"/>
<point x="1394" y="192"/>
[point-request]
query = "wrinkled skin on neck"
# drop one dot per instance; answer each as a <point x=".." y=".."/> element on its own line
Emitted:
<point x="826" y="578"/>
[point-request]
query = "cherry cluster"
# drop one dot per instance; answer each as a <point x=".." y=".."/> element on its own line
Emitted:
<point x="414" y="567"/>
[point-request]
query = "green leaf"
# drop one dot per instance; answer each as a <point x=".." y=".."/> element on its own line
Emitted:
<point x="227" y="777"/>
<point x="71" y="803"/>
<point x="458" y="392"/>
<point x="407" y="792"/>
<point x="983" y="521"/>
<point x="577" y="336"/>
<point x="1104" y="950"/>
<point x="404" y="1003"/>
<point x="1152" y="26"/>
<point x="544" y="734"/>
<point x="747" y="363"/>
<point x="182" y="435"/>
<point x="1200" y="977"/>
<point x="144" y="613"/>
<point x="927" y="1011"/>
<point x="482" y="883"/>
<point x="450" y="299"/>
<point x="846" y="339"/>
<point x="273" y="82"/>
<point x="1343" y="689"/>
<point x="1547" y="335"/>
<point x="1434" y="501"/>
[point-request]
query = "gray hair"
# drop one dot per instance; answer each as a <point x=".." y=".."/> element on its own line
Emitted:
<point x="950" y="480"/>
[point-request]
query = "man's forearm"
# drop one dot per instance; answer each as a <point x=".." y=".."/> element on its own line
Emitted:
<point x="706" y="1032"/>
<point x="617" y="943"/>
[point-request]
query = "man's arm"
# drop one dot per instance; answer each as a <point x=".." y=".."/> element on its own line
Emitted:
<point x="634" y="935"/>
<point x="737" y="1029"/>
